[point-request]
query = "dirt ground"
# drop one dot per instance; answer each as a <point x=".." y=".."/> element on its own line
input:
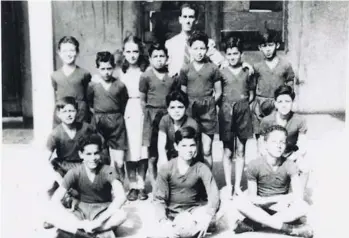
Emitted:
<point x="24" y="178"/>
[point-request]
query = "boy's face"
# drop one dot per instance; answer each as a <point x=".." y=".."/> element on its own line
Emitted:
<point x="233" y="55"/>
<point x="106" y="70"/>
<point x="158" y="59"/>
<point x="67" y="53"/>
<point x="91" y="156"/>
<point x="276" y="143"/>
<point x="131" y="52"/>
<point x="283" y="104"/>
<point x="186" y="149"/>
<point x="269" y="49"/>
<point x="67" y="114"/>
<point x="187" y="19"/>
<point x="198" y="50"/>
<point x="176" y="110"/>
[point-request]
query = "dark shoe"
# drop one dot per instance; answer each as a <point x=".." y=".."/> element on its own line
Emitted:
<point x="242" y="226"/>
<point x="132" y="195"/>
<point x="48" y="225"/>
<point x="82" y="234"/>
<point x="142" y="195"/>
<point x="303" y="231"/>
<point x="64" y="234"/>
<point x="53" y="189"/>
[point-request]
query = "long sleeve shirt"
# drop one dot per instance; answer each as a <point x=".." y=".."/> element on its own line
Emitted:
<point x="175" y="192"/>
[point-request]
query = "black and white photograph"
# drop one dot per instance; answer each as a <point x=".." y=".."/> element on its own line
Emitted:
<point x="174" y="119"/>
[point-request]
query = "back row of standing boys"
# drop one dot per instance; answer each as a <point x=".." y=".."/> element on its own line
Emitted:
<point x="138" y="113"/>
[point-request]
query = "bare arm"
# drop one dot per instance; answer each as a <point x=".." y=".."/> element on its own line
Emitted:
<point x="143" y="101"/>
<point x="217" y="91"/>
<point x="117" y="202"/>
<point x="161" y="194"/>
<point x="162" y="140"/>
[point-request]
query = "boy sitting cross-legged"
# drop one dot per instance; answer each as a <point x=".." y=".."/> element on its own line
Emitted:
<point x="101" y="196"/>
<point x="268" y="201"/>
<point x="180" y="209"/>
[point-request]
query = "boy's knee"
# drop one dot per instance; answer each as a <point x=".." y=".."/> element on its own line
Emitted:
<point x="119" y="217"/>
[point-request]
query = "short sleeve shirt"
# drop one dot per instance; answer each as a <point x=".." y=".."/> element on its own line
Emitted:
<point x="268" y="80"/>
<point x="269" y="182"/>
<point x="108" y="101"/>
<point x="200" y="83"/>
<point x="98" y="191"/>
<point x="167" y="126"/>
<point x="155" y="89"/>
<point x="296" y="125"/>
<point x="67" y="148"/>
<point x="74" y="85"/>
<point x="236" y="87"/>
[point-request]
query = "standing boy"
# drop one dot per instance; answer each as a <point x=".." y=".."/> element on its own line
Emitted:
<point x="107" y="99"/>
<point x="269" y="201"/>
<point x="101" y="196"/>
<point x="71" y="80"/>
<point x="177" y="102"/>
<point x="201" y="80"/>
<point x="295" y="125"/>
<point x="154" y="85"/>
<point x="180" y="211"/>
<point x="177" y="46"/>
<point x="270" y="73"/>
<point x="235" y="118"/>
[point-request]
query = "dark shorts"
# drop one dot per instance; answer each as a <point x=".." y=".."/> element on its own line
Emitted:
<point x="82" y="115"/>
<point x="203" y="110"/>
<point x="152" y="118"/>
<point x="261" y="107"/>
<point x="112" y="127"/>
<point x="62" y="166"/>
<point x="235" y="119"/>
<point x="90" y="211"/>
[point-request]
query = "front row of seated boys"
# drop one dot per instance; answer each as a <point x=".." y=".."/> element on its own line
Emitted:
<point x="185" y="196"/>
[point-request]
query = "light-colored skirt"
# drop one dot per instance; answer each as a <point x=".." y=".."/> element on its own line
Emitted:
<point x="134" y="127"/>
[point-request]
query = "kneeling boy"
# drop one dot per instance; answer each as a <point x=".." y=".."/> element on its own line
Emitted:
<point x="177" y="103"/>
<point x="101" y="195"/>
<point x="268" y="201"/>
<point x="180" y="210"/>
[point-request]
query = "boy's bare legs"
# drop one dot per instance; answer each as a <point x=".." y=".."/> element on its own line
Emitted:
<point x="113" y="222"/>
<point x="287" y="212"/>
<point x="227" y="167"/>
<point x="257" y="214"/>
<point x="153" y="170"/>
<point x="207" y="149"/>
<point x="132" y="178"/>
<point x="142" y="172"/>
<point x="117" y="161"/>
<point x="63" y="219"/>
<point x="239" y="164"/>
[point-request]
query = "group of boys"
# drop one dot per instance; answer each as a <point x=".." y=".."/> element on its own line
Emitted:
<point x="179" y="108"/>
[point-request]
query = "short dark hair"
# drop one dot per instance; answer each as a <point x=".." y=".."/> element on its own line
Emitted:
<point x="105" y="57"/>
<point x="284" y="90"/>
<point x="232" y="42"/>
<point x="198" y="36"/>
<point x="272" y="128"/>
<point x="69" y="39"/>
<point x="157" y="46"/>
<point x="89" y="139"/>
<point x="191" y="6"/>
<point x="61" y="103"/>
<point x="268" y="36"/>
<point x="186" y="132"/>
<point x="177" y="95"/>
